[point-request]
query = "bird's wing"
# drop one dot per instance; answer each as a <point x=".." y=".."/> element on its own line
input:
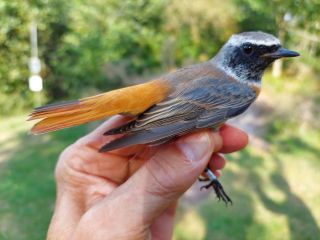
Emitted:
<point x="204" y="102"/>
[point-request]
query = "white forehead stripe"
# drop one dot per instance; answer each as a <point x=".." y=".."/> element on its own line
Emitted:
<point x="266" y="40"/>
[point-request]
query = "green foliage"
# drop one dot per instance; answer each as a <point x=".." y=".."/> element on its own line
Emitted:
<point x="93" y="47"/>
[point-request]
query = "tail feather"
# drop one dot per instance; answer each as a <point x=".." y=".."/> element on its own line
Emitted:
<point x="131" y="100"/>
<point x="54" y="110"/>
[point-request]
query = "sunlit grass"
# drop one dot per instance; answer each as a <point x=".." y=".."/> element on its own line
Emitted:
<point x="27" y="188"/>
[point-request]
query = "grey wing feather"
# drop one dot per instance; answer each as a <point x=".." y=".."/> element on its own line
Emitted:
<point x="206" y="102"/>
<point x="149" y="136"/>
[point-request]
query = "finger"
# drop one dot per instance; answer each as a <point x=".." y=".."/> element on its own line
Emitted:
<point x="109" y="165"/>
<point x="217" y="162"/>
<point x="111" y="123"/>
<point x="169" y="173"/>
<point x="83" y="156"/>
<point x="234" y="139"/>
<point x="136" y="161"/>
<point x="85" y="159"/>
<point x="96" y="139"/>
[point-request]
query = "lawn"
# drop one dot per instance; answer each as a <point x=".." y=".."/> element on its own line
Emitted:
<point x="27" y="187"/>
<point x="274" y="184"/>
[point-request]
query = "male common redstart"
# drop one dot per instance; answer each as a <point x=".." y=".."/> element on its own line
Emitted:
<point x="204" y="95"/>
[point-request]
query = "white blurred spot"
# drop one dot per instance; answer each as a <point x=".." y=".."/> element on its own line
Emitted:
<point x="35" y="83"/>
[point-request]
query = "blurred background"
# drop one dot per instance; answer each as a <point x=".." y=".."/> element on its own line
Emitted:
<point x="85" y="48"/>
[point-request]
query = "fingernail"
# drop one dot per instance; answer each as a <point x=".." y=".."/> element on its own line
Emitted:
<point x="195" y="146"/>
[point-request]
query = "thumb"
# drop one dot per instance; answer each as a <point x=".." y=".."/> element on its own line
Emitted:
<point x="171" y="171"/>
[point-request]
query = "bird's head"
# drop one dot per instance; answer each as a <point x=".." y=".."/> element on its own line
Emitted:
<point x="246" y="55"/>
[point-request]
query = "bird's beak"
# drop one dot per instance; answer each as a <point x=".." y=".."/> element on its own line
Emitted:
<point x="280" y="53"/>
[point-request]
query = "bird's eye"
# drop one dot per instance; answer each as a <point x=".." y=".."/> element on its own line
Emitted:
<point x="247" y="49"/>
<point x="274" y="48"/>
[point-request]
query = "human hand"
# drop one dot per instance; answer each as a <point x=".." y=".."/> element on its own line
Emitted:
<point x="131" y="193"/>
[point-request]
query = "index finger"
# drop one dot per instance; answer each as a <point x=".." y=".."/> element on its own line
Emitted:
<point x="233" y="138"/>
<point x="96" y="138"/>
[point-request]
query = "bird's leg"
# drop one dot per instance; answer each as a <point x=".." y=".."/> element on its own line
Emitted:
<point x="200" y="179"/>
<point x="216" y="185"/>
<point x="203" y="179"/>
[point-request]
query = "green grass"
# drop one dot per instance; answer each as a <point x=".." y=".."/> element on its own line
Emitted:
<point x="275" y="189"/>
<point x="27" y="189"/>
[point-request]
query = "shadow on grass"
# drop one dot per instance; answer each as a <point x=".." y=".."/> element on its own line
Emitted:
<point x="295" y="145"/>
<point x="239" y="222"/>
<point x="302" y="224"/>
<point x="232" y="222"/>
<point x="27" y="188"/>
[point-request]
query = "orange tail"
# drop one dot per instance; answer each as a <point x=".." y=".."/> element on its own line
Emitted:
<point x="130" y="100"/>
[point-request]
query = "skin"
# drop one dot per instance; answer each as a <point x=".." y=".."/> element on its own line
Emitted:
<point x="131" y="193"/>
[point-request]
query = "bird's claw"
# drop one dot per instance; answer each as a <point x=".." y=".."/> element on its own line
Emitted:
<point x="219" y="191"/>
<point x="216" y="185"/>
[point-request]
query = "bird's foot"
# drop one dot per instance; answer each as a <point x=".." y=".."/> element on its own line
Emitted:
<point x="217" y="187"/>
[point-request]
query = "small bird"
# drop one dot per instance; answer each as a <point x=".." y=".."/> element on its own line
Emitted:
<point x="200" y="96"/>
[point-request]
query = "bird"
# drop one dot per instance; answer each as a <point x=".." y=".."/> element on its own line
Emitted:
<point x="200" y="96"/>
